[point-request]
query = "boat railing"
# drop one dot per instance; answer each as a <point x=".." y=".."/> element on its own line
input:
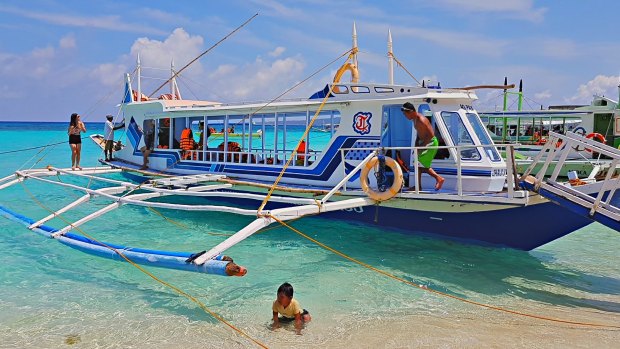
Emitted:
<point x="258" y="156"/>
<point x="592" y="197"/>
<point x="509" y="171"/>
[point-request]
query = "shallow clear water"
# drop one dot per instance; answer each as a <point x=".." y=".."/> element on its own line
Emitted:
<point x="52" y="296"/>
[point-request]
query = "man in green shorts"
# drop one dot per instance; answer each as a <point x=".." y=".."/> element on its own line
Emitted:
<point x="427" y="137"/>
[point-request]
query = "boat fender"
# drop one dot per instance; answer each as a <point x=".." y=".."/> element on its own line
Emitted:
<point x="596" y="136"/>
<point x="389" y="192"/>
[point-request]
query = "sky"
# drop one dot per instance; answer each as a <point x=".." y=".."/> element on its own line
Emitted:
<point x="60" y="57"/>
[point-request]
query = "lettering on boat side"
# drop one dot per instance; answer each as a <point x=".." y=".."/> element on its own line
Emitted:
<point x="354" y="209"/>
<point x="361" y="122"/>
<point x="499" y="172"/>
<point x="467" y="107"/>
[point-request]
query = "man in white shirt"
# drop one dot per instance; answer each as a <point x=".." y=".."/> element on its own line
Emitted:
<point x="108" y="132"/>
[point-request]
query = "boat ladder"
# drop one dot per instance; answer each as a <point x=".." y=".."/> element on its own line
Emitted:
<point x="592" y="197"/>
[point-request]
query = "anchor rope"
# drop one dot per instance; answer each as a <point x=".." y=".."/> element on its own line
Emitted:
<point x="444" y="294"/>
<point x="148" y="273"/>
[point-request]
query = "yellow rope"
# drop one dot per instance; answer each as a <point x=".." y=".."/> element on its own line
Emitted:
<point x="392" y="276"/>
<point x="151" y="275"/>
<point x="302" y="138"/>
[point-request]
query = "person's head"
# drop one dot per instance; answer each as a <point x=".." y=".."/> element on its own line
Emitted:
<point x="109" y="117"/>
<point x="285" y="294"/>
<point x="408" y="110"/>
<point x="74" y="119"/>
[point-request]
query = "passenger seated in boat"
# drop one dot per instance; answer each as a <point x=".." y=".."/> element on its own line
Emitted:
<point x="187" y="144"/>
<point x="203" y="138"/>
<point x="302" y="153"/>
<point x="289" y="308"/>
<point x="233" y="147"/>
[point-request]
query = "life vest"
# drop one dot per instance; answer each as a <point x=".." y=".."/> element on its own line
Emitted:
<point x="301" y="149"/>
<point x="187" y="140"/>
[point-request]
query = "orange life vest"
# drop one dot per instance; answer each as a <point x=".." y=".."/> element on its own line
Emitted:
<point x="301" y="149"/>
<point x="187" y="140"/>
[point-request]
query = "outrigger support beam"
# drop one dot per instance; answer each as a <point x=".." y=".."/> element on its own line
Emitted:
<point x="283" y="214"/>
<point x="83" y="199"/>
<point x="103" y="211"/>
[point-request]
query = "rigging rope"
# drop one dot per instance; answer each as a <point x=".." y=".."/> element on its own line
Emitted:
<point x="148" y="273"/>
<point x="302" y="138"/>
<point x="402" y="66"/>
<point x="422" y="287"/>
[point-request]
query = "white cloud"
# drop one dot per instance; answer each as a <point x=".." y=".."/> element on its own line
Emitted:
<point x="546" y="94"/>
<point x="179" y="46"/>
<point x="277" y="51"/>
<point x="102" y="22"/>
<point x="520" y="9"/>
<point x="458" y="41"/>
<point x="67" y="42"/>
<point x="600" y="85"/>
<point x="259" y="80"/>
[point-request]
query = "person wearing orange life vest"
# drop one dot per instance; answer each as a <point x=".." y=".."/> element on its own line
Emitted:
<point x="187" y="143"/>
<point x="301" y="152"/>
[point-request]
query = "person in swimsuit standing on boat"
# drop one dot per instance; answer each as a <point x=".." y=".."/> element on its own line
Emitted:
<point x="425" y="132"/>
<point x="76" y="126"/>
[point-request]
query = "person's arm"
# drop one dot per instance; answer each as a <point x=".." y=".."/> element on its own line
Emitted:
<point x="276" y="322"/>
<point x="82" y="127"/>
<point x="69" y="130"/>
<point x="298" y="323"/>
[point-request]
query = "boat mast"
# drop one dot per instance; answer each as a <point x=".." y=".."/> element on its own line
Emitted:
<point x="391" y="59"/>
<point x="139" y="73"/>
<point x="174" y="87"/>
<point x="520" y="95"/>
<point x="355" y="49"/>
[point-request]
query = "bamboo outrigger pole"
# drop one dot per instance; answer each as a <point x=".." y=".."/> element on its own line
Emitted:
<point x="202" y="54"/>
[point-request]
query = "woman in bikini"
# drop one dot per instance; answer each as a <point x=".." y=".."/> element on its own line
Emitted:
<point x="76" y="126"/>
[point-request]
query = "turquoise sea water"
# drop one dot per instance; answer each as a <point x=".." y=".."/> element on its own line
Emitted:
<point x="53" y="296"/>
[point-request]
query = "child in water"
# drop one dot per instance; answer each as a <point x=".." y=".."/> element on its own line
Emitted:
<point x="289" y="308"/>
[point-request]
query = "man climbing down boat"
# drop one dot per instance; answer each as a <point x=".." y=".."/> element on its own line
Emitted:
<point x="108" y="133"/>
<point x="427" y="137"/>
<point x="149" y="142"/>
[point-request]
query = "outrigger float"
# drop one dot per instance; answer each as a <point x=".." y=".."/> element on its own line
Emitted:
<point x="366" y="172"/>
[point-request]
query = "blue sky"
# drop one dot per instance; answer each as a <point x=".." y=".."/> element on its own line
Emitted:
<point x="59" y="57"/>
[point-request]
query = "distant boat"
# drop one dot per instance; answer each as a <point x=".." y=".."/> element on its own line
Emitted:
<point x="258" y="134"/>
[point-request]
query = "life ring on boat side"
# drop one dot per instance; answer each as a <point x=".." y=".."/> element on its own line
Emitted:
<point x="596" y="136"/>
<point x="391" y="191"/>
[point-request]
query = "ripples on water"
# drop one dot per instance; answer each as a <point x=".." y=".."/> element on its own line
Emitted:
<point x="54" y="296"/>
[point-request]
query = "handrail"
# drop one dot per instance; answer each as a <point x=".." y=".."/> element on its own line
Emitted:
<point x="347" y="177"/>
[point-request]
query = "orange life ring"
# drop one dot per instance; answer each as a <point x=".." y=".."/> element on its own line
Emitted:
<point x="393" y="190"/>
<point x="597" y="136"/>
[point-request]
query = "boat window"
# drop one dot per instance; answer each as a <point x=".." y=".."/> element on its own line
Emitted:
<point x="380" y="89"/>
<point x="483" y="136"/>
<point x="360" y="89"/>
<point x="340" y="89"/>
<point x="460" y="136"/>
<point x="425" y="110"/>
<point x="163" y="133"/>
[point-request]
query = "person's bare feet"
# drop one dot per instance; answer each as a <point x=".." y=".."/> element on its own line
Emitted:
<point x="439" y="183"/>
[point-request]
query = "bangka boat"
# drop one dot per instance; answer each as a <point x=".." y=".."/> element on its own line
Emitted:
<point x="530" y="130"/>
<point x="367" y="172"/>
